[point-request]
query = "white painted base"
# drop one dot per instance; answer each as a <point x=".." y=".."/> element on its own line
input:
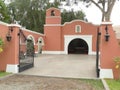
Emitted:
<point x="53" y="52"/>
<point x="92" y="53"/>
<point x="106" y="73"/>
<point x="62" y="52"/>
<point x="12" y="68"/>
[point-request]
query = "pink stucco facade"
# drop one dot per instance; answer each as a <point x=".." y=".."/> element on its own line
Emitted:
<point x="10" y="54"/>
<point x="58" y="38"/>
<point x="61" y="38"/>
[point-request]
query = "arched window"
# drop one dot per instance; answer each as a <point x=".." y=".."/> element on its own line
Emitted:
<point x="52" y="13"/>
<point x="30" y="37"/>
<point x="78" y="29"/>
<point x="40" y="44"/>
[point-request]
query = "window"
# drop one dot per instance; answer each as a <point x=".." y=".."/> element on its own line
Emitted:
<point x="52" y="13"/>
<point x="78" y="29"/>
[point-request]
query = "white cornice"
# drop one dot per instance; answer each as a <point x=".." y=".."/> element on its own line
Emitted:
<point x="15" y="25"/>
<point x="3" y="23"/>
<point x="79" y="21"/>
<point x="106" y="23"/>
<point x="52" y="25"/>
<point x="52" y="8"/>
<point x="53" y="16"/>
<point x="33" y="32"/>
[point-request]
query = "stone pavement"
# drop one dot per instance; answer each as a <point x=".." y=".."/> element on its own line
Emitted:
<point x="70" y="66"/>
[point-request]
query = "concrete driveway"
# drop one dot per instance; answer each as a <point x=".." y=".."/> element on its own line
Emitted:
<point x="71" y="66"/>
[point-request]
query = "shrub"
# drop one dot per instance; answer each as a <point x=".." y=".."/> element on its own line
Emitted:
<point x="1" y="44"/>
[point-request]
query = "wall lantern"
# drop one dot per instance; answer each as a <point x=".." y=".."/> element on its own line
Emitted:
<point x="8" y="36"/>
<point x="106" y="35"/>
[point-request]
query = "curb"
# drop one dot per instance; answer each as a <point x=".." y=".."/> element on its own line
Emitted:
<point x="105" y="84"/>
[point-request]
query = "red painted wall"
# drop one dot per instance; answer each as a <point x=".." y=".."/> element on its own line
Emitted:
<point x="10" y="54"/>
<point x="86" y="29"/>
<point x="109" y="50"/>
<point x="54" y="31"/>
<point x="53" y="38"/>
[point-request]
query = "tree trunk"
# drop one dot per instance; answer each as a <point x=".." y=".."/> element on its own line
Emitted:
<point x="107" y="16"/>
<point x="106" y="8"/>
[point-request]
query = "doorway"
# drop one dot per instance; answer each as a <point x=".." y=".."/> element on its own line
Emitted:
<point x="78" y="46"/>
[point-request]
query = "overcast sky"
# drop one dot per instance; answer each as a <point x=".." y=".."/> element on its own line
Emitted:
<point x="93" y="14"/>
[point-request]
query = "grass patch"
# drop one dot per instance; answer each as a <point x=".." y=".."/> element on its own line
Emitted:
<point x="2" y="74"/>
<point x="113" y="84"/>
<point x="95" y="83"/>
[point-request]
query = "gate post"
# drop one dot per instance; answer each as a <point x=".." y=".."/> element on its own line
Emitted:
<point x="109" y="49"/>
<point x="12" y="66"/>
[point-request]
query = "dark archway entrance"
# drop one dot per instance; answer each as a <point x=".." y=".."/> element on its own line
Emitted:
<point x="78" y="46"/>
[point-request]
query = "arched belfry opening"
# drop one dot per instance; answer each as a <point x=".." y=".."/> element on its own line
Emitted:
<point x="78" y="46"/>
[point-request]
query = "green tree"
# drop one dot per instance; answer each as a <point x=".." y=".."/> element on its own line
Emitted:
<point x="30" y="13"/>
<point x="105" y="6"/>
<point x="68" y="16"/>
<point x="4" y="12"/>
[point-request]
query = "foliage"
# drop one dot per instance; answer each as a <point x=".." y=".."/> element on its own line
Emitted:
<point x="1" y="44"/>
<point x="96" y="83"/>
<point x="117" y="62"/>
<point x="113" y="84"/>
<point x="105" y="6"/>
<point x="3" y="74"/>
<point x="4" y="16"/>
<point x="30" y="47"/>
<point x="68" y="16"/>
<point x="31" y="13"/>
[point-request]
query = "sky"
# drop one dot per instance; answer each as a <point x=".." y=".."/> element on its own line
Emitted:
<point x="93" y="14"/>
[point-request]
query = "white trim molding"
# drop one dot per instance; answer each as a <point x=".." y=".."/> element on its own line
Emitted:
<point x="52" y="8"/>
<point x="106" y="23"/>
<point x="78" y="20"/>
<point x="106" y="73"/>
<point x="78" y="29"/>
<point x="93" y="53"/>
<point x="15" y="25"/>
<point x="3" y="23"/>
<point x="53" y="17"/>
<point x="52" y="25"/>
<point x="53" y="52"/>
<point x="24" y="29"/>
<point x="86" y="38"/>
<point x="13" y="68"/>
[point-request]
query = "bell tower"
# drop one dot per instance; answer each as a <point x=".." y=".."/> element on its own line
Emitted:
<point x="53" y="16"/>
<point x="52" y="30"/>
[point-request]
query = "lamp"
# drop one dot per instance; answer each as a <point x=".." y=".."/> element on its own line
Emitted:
<point x="106" y="35"/>
<point x="8" y="36"/>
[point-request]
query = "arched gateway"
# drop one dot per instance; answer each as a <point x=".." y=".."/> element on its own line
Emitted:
<point x="78" y="46"/>
<point x="60" y="39"/>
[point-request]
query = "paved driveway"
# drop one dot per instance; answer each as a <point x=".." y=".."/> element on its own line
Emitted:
<point x="75" y="66"/>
